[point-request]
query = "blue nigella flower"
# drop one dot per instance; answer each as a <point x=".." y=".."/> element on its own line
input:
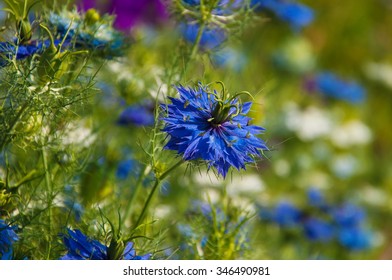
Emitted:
<point x="317" y="199"/>
<point x="138" y="114"/>
<point x="318" y="230"/>
<point x="203" y="126"/>
<point x="75" y="207"/>
<point x="348" y="215"/>
<point x="63" y="24"/>
<point x="331" y="85"/>
<point x="9" y="50"/>
<point x="100" y="37"/>
<point x="7" y="238"/>
<point x="81" y="247"/>
<point x="211" y="38"/>
<point x="124" y="168"/>
<point x="286" y="214"/>
<point x="71" y="204"/>
<point x="223" y="7"/>
<point x="355" y="238"/>
<point x="295" y="14"/>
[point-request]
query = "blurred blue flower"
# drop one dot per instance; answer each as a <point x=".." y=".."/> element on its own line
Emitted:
<point x="207" y="211"/>
<point x="355" y="238"/>
<point x="130" y="253"/>
<point x="295" y="14"/>
<point x="63" y="24"/>
<point x="7" y="238"/>
<point x="317" y="199"/>
<point x="100" y="37"/>
<point x="343" y="223"/>
<point x="138" y="114"/>
<point x="348" y="215"/>
<point x="318" y="230"/>
<point x="285" y="214"/>
<point x="71" y="204"/>
<point x="124" y="168"/>
<point x="75" y="207"/>
<point x="201" y="126"/>
<point x="331" y="85"/>
<point x="211" y="38"/>
<point x="223" y="7"/>
<point x="81" y="247"/>
<point x="9" y="50"/>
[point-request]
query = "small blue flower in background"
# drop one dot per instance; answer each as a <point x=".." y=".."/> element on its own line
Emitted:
<point x="355" y="238"/>
<point x="75" y="207"/>
<point x="331" y="85"/>
<point x="295" y="14"/>
<point x="202" y="126"/>
<point x="211" y="38"/>
<point x="130" y="253"/>
<point x="124" y="168"/>
<point x="318" y="230"/>
<point x="207" y="211"/>
<point x="99" y="36"/>
<point x="71" y="203"/>
<point x="63" y="24"/>
<point x="285" y="214"/>
<point x="223" y="7"/>
<point x="317" y="199"/>
<point x="81" y="247"/>
<point x="9" y="50"/>
<point x="138" y="115"/>
<point x="7" y="238"/>
<point x="322" y="221"/>
<point x="348" y="215"/>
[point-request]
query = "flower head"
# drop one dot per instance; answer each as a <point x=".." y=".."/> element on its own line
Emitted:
<point x="211" y="38"/>
<point x="138" y="114"/>
<point x="81" y="247"/>
<point x="295" y="14"/>
<point x="223" y="7"/>
<point x="7" y="238"/>
<point x="318" y="230"/>
<point x="333" y="86"/>
<point x="9" y="50"/>
<point x="201" y="125"/>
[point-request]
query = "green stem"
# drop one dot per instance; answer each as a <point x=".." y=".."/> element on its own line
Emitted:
<point x="157" y="183"/>
<point x="147" y="203"/>
<point x="195" y="48"/>
<point x="48" y="183"/>
<point x="135" y="193"/>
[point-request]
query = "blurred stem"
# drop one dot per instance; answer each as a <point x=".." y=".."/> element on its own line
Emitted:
<point x="135" y="193"/>
<point x="157" y="183"/>
<point x="195" y="48"/>
<point x="48" y="183"/>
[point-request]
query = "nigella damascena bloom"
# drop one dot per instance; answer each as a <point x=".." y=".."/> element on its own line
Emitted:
<point x="332" y="85"/>
<point x="9" y="50"/>
<point x="7" y="238"/>
<point x="211" y="38"/>
<point x="295" y="14"/>
<point x="202" y="125"/>
<point x="81" y="247"/>
<point x="223" y="7"/>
